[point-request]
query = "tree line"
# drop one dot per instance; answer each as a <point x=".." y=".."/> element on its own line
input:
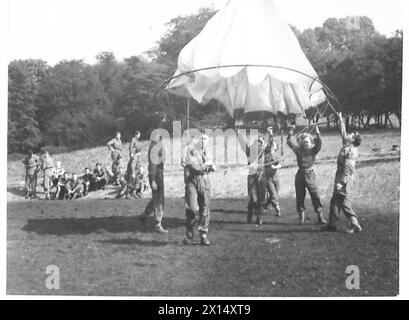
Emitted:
<point x="75" y="104"/>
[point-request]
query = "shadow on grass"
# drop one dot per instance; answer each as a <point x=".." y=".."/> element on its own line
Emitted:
<point x="139" y="242"/>
<point x="18" y="191"/>
<point x="113" y="224"/>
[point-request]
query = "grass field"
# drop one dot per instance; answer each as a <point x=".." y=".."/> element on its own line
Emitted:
<point x="101" y="248"/>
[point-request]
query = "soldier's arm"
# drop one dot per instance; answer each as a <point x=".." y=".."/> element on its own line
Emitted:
<point x="290" y="141"/>
<point x="109" y="144"/>
<point x="342" y="128"/>
<point x="318" y="143"/>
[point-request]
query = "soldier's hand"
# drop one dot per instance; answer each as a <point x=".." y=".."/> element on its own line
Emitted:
<point x="338" y="186"/>
<point x="291" y="130"/>
<point x="154" y="185"/>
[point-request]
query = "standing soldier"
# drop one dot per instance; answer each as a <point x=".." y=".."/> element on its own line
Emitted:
<point x="115" y="146"/>
<point x="156" y="158"/>
<point x="272" y="165"/>
<point x="32" y="164"/>
<point x="340" y="200"/>
<point x="48" y="168"/>
<point x="197" y="165"/>
<point x="256" y="179"/>
<point x="305" y="178"/>
<point x="134" y="145"/>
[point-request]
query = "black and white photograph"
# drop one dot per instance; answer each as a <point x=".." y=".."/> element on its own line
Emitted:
<point x="203" y="149"/>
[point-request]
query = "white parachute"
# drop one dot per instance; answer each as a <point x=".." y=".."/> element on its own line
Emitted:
<point x="248" y="58"/>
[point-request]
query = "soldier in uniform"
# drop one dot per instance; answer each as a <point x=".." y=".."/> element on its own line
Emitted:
<point x="63" y="187"/>
<point x="32" y="165"/>
<point x="75" y="187"/>
<point x="256" y="179"/>
<point x="272" y="165"/>
<point x="134" y="145"/>
<point x="115" y="146"/>
<point x="197" y="165"/>
<point x="156" y="158"/>
<point x="340" y="200"/>
<point x="305" y="179"/>
<point x="100" y="177"/>
<point x="88" y="181"/>
<point x="48" y="169"/>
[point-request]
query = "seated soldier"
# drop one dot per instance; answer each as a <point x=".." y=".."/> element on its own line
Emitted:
<point x="100" y="177"/>
<point x="62" y="187"/>
<point x="75" y="187"/>
<point x="116" y="171"/>
<point x="88" y="181"/>
<point x="57" y="174"/>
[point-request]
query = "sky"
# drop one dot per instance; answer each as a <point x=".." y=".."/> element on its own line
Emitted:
<point x="54" y="30"/>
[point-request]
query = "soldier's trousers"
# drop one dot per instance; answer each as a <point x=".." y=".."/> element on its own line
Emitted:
<point x="197" y="201"/>
<point x="31" y="184"/>
<point x="48" y="181"/>
<point x="256" y="187"/>
<point x="157" y="202"/>
<point x="340" y="202"/>
<point x="273" y="187"/>
<point x="306" y="180"/>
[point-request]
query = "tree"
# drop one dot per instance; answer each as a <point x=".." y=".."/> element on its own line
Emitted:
<point x="25" y="77"/>
<point x="73" y="106"/>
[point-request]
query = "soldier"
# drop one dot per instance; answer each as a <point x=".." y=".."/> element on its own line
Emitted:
<point x="88" y="181"/>
<point x="117" y="171"/>
<point x="48" y="168"/>
<point x="156" y="158"/>
<point x="115" y="146"/>
<point x="197" y="165"/>
<point x="305" y="178"/>
<point x="75" y="187"/>
<point x="63" y="187"/>
<point x="256" y="179"/>
<point x="340" y="200"/>
<point x="134" y="145"/>
<point x="272" y="165"/>
<point x="32" y="165"/>
<point x="100" y="177"/>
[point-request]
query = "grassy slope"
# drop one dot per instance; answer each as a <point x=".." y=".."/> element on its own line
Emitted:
<point x="101" y="248"/>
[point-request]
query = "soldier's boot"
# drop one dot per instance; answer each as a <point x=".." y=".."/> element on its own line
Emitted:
<point x="203" y="240"/>
<point x="259" y="221"/>
<point x="321" y="219"/>
<point x="278" y="211"/>
<point x="354" y="226"/>
<point x="160" y="229"/>
<point x="301" y="217"/>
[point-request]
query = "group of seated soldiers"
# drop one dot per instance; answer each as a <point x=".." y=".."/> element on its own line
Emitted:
<point x="60" y="185"/>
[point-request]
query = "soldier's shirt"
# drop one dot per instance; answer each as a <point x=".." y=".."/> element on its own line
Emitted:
<point x="87" y="177"/>
<point x="134" y="146"/>
<point x="115" y="144"/>
<point x="255" y="158"/>
<point x="48" y="163"/>
<point x="305" y="158"/>
<point x="194" y="160"/>
<point x="75" y="184"/>
<point x="99" y="173"/>
<point x="156" y="158"/>
<point x="32" y="163"/>
<point x="271" y="158"/>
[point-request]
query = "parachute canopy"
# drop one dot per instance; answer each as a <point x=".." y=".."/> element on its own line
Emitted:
<point x="251" y="60"/>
